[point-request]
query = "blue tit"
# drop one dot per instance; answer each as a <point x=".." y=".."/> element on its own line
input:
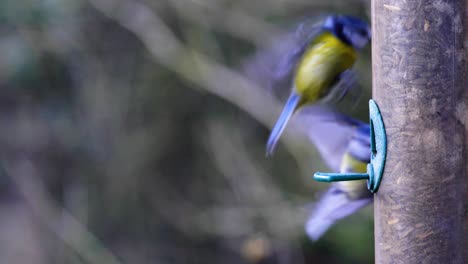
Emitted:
<point x="350" y="140"/>
<point x="318" y="64"/>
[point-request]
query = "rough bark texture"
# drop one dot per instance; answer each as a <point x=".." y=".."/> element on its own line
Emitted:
<point x="418" y="67"/>
<point x="464" y="117"/>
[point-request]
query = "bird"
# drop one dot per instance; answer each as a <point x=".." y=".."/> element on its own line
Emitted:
<point x="344" y="143"/>
<point x="319" y="63"/>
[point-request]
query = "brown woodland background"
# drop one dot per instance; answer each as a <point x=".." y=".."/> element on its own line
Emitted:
<point x="130" y="134"/>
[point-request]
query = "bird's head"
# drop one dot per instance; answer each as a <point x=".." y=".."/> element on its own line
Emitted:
<point x="351" y="30"/>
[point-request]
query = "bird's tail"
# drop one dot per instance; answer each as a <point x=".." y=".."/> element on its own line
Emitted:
<point x="333" y="206"/>
<point x="288" y="110"/>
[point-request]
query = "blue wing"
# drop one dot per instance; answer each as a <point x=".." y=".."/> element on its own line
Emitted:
<point x="304" y="34"/>
<point x="273" y="67"/>
<point x="329" y="130"/>
<point x="335" y="204"/>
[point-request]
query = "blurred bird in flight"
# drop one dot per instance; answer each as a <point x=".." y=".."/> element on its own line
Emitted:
<point x="316" y="62"/>
<point x="320" y="64"/>
<point x="344" y="141"/>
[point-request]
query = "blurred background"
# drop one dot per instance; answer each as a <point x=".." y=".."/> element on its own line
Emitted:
<point x="131" y="132"/>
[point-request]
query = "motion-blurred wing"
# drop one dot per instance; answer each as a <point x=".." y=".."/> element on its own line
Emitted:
<point x="330" y="131"/>
<point x="334" y="205"/>
<point x="273" y="67"/>
<point x="304" y="34"/>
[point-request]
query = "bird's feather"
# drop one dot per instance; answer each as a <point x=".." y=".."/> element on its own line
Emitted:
<point x="329" y="130"/>
<point x="332" y="206"/>
<point x="288" y="111"/>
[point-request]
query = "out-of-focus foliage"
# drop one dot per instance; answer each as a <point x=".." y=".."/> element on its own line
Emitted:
<point x="130" y="135"/>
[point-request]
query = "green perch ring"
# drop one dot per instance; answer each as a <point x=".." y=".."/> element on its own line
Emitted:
<point x="378" y="155"/>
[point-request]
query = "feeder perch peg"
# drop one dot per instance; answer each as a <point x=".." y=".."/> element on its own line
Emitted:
<point x="378" y="155"/>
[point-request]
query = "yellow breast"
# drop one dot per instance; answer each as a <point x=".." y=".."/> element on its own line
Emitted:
<point x="325" y="59"/>
<point x="354" y="189"/>
<point x="350" y="164"/>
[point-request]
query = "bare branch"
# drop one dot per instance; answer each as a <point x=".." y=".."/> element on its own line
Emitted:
<point x="57" y="220"/>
